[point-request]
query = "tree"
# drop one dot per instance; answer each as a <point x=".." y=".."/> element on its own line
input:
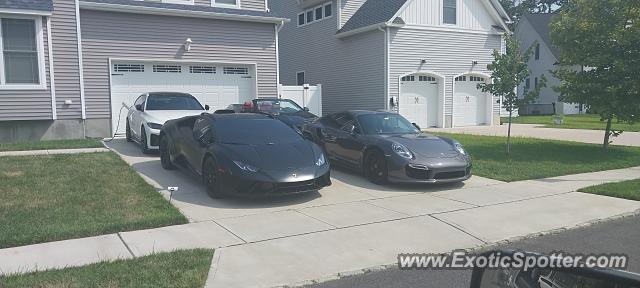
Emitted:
<point x="599" y="43"/>
<point x="509" y="70"/>
<point x="517" y="8"/>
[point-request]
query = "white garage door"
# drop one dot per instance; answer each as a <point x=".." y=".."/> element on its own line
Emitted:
<point x="419" y="100"/>
<point x="470" y="104"/>
<point x="216" y="85"/>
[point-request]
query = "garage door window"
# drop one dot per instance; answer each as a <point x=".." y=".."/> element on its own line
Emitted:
<point x="236" y="70"/>
<point x="476" y="79"/>
<point x="128" y="67"/>
<point x="426" y="79"/>
<point x="21" y="52"/>
<point x="409" y="78"/>
<point x="461" y="78"/>
<point x="202" y="69"/>
<point x="167" y="68"/>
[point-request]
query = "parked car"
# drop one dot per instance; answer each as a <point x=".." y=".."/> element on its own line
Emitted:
<point x="247" y="154"/>
<point x="285" y="110"/>
<point x="388" y="148"/>
<point x="151" y="110"/>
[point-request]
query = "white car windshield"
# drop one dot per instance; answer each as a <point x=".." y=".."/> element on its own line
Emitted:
<point x="172" y="102"/>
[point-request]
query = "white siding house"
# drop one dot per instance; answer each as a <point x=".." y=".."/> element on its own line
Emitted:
<point x="421" y="58"/>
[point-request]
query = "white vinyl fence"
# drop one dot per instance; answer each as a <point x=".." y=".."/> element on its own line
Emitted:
<point x="306" y="96"/>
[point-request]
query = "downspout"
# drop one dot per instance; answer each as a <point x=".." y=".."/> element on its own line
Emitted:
<point x="52" y="83"/>
<point x="385" y="30"/>
<point x="81" y="70"/>
<point x="278" y="28"/>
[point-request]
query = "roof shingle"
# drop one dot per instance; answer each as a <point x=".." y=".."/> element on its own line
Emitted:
<point x="373" y="12"/>
<point x="40" y="5"/>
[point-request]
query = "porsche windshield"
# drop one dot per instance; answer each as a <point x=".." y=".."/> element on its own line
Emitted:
<point x="385" y="123"/>
<point x="255" y="132"/>
<point x="172" y="102"/>
<point x="278" y="106"/>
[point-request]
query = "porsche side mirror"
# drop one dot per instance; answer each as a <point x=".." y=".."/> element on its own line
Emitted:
<point x="306" y="109"/>
<point x="206" y="107"/>
<point x="416" y="125"/>
<point x="139" y="107"/>
<point x="549" y="277"/>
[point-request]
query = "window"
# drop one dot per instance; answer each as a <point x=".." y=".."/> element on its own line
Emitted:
<point x="202" y="69"/>
<point x="327" y="10"/>
<point x="236" y="70"/>
<point x="319" y="14"/>
<point x="408" y="78"/>
<point x="309" y="16"/>
<point x="167" y="68"/>
<point x="538" y="51"/>
<point x="476" y="79"/>
<point x="535" y="83"/>
<point x="449" y="12"/>
<point x="461" y="78"/>
<point x="21" y="52"/>
<point x="426" y="79"/>
<point x="224" y="2"/>
<point x="300" y="78"/>
<point x="315" y="14"/>
<point x="128" y="67"/>
<point x="527" y="85"/>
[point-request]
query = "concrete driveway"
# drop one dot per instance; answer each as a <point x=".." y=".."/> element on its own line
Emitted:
<point x="354" y="225"/>
<point x="539" y="131"/>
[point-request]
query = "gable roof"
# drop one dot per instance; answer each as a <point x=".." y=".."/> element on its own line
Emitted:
<point x="373" y="12"/>
<point x="540" y="23"/>
<point x="40" y="5"/>
<point x="378" y="12"/>
<point x="200" y="11"/>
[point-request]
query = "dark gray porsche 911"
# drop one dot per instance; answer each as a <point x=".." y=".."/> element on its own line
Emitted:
<point x="245" y="154"/>
<point x="388" y="148"/>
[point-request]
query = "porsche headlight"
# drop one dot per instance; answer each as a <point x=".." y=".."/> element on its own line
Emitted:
<point x="154" y="125"/>
<point x="245" y="167"/>
<point x="460" y="149"/>
<point x="401" y="151"/>
<point x="321" y="161"/>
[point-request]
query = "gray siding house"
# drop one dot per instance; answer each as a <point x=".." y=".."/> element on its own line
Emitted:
<point x="68" y="65"/>
<point x="421" y="58"/>
<point x="534" y="29"/>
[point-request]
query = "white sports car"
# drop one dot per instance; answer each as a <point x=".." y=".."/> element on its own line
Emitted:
<point x="151" y="110"/>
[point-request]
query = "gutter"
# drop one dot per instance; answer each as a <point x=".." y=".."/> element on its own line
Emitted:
<point x="25" y="12"/>
<point x="378" y="26"/>
<point x="176" y="12"/>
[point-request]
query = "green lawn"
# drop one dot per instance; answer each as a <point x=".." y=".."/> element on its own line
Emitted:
<point x="188" y="268"/>
<point x="48" y="198"/>
<point x="537" y="158"/>
<point x="52" y="144"/>
<point x="585" y="121"/>
<point x="626" y="189"/>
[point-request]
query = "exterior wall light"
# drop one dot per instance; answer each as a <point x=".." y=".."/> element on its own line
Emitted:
<point x="187" y="44"/>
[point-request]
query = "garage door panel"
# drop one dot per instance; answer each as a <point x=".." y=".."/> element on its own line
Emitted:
<point x="419" y="100"/>
<point x="208" y="82"/>
<point x="469" y="102"/>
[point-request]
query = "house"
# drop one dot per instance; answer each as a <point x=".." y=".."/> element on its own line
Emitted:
<point x="68" y="65"/>
<point x="534" y="29"/>
<point x="421" y="58"/>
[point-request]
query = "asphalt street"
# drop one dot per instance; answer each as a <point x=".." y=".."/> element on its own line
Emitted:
<point x="616" y="236"/>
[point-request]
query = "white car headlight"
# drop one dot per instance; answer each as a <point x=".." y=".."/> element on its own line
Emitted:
<point x="460" y="149"/>
<point x="401" y="150"/>
<point x="154" y="125"/>
<point x="321" y="161"/>
<point x="246" y="167"/>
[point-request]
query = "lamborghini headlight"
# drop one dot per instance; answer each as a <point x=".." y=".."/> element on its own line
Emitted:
<point x="245" y="167"/>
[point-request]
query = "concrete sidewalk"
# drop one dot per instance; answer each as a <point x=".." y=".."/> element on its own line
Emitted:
<point x="282" y="245"/>
<point x="52" y="152"/>
<point x="539" y="131"/>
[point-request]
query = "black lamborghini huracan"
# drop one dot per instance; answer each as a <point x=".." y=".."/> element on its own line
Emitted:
<point x="248" y="154"/>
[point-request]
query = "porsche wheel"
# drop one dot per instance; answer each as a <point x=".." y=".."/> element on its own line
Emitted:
<point x="375" y="167"/>
<point x="128" y="132"/>
<point x="165" y="153"/>
<point x="210" y="178"/>
<point x="144" y="147"/>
